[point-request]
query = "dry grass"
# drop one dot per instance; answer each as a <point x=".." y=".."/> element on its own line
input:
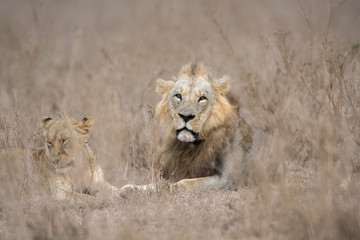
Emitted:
<point x="295" y="69"/>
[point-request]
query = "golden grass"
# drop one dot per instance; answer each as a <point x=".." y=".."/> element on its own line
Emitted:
<point x="295" y="70"/>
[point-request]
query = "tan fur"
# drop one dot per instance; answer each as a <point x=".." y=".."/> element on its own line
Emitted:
<point x="206" y="137"/>
<point x="66" y="165"/>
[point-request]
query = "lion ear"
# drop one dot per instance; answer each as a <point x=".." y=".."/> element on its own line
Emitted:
<point x="45" y="123"/>
<point x="222" y="85"/>
<point x="83" y="127"/>
<point x="163" y="87"/>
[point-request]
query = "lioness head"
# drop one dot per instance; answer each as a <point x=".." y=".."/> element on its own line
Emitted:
<point x="194" y="102"/>
<point x="64" y="140"/>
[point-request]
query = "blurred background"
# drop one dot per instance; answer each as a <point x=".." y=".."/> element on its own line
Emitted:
<point x="73" y="55"/>
<point x="294" y="66"/>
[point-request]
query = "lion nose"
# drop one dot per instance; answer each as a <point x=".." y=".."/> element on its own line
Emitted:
<point x="187" y="118"/>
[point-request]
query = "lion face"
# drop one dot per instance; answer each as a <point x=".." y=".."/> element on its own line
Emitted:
<point x="190" y="103"/>
<point x="64" y="140"/>
<point x="194" y="103"/>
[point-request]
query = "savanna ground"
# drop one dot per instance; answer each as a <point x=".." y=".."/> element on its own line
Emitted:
<point x="295" y="69"/>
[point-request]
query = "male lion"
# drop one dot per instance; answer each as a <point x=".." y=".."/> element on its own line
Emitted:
<point x="206" y="142"/>
<point x="66" y="165"/>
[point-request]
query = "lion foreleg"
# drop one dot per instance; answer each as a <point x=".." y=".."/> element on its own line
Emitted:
<point x="198" y="184"/>
<point x="100" y="184"/>
<point x="152" y="187"/>
<point x="194" y="184"/>
<point x="62" y="191"/>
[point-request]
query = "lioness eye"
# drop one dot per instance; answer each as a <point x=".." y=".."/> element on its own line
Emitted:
<point x="49" y="144"/>
<point x="178" y="96"/>
<point x="202" y="98"/>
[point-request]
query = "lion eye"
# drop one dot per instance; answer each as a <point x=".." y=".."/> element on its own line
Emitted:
<point x="49" y="145"/>
<point x="64" y="141"/>
<point x="202" y="98"/>
<point x="178" y="96"/>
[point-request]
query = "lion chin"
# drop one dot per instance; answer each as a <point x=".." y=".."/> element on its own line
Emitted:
<point x="186" y="135"/>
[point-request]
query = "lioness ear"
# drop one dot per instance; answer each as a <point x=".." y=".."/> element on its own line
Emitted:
<point x="163" y="86"/>
<point x="222" y="85"/>
<point x="45" y="122"/>
<point x="83" y="127"/>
